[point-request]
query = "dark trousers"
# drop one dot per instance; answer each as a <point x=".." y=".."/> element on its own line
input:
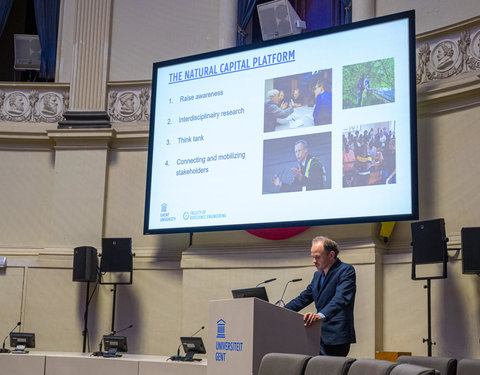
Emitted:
<point x="335" y="350"/>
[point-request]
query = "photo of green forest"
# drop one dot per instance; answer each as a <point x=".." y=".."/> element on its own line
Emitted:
<point x="369" y="83"/>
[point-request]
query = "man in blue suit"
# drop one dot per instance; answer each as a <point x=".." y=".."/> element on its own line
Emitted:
<point x="333" y="290"/>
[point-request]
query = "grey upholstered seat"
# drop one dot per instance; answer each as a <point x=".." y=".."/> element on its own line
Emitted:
<point x="444" y="365"/>
<point x="327" y="365"/>
<point x="408" y="369"/>
<point x="371" y="367"/>
<point x="283" y="364"/>
<point x="468" y="367"/>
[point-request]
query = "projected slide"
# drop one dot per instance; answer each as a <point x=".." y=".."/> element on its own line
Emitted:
<point x="313" y="129"/>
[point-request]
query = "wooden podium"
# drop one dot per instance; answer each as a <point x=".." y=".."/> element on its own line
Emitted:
<point x="241" y="331"/>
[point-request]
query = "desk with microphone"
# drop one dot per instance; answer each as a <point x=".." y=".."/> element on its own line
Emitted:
<point x="113" y="344"/>
<point x="3" y="349"/>
<point x="191" y="345"/>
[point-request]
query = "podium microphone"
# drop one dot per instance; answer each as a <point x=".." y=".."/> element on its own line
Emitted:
<point x="3" y="350"/>
<point x="266" y="282"/>
<point x="284" y="289"/>
<point x="178" y="357"/>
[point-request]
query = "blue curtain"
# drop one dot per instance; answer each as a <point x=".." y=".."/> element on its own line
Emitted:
<point x="5" y="6"/>
<point x="244" y="13"/>
<point x="345" y="11"/>
<point x="327" y="13"/>
<point x="46" y="14"/>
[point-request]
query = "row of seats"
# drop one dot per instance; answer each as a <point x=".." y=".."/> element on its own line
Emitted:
<point x="445" y="365"/>
<point x="299" y="364"/>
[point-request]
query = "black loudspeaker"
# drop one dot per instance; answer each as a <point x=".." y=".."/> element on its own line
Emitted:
<point x="85" y="264"/>
<point x="471" y="250"/>
<point x="116" y="255"/>
<point x="429" y="242"/>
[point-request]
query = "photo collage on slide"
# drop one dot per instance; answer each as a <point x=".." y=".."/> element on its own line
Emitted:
<point x="368" y="150"/>
<point x="303" y="162"/>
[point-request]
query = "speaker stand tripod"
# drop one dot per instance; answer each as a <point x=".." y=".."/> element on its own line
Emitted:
<point x="428" y="340"/>
<point x="85" y="319"/>
<point x="114" y="291"/>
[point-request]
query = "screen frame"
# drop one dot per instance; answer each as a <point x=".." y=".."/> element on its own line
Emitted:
<point x="122" y="345"/>
<point x="413" y="215"/>
<point x="197" y="342"/>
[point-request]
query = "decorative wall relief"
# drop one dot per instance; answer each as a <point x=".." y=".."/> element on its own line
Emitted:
<point x="127" y="105"/>
<point x="453" y="54"/>
<point x="32" y="105"/>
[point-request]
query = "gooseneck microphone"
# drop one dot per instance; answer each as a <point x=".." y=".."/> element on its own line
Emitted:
<point x="3" y="350"/>
<point x="178" y="349"/>
<point x="121" y="330"/>
<point x="202" y="327"/>
<point x="178" y="357"/>
<point x="266" y="282"/>
<point x="280" y="301"/>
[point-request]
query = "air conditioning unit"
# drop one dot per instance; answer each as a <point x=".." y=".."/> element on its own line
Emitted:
<point x="27" y="52"/>
<point x="278" y="18"/>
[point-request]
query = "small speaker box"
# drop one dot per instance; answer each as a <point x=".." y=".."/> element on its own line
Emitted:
<point x="116" y="255"/>
<point x="85" y="264"/>
<point x="429" y="242"/>
<point x="471" y="250"/>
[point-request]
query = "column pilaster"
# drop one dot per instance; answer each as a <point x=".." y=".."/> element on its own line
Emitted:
<point x="362" y="10"/>
<point x="79" y="186"/>
<point x="90" y="55"/>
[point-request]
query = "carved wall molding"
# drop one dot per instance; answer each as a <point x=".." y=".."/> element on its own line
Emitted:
<point x="443" y="56"/>
<point x="32" y="104"/>
<point x="448" y="52"/>
<point x="448" y="67"/>
<point x="129" y="102"/>
<point x="295" y="254"/>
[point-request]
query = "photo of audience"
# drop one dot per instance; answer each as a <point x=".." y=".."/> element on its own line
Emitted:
<point x="369" y="155"/>
<point x="299" y="100"/>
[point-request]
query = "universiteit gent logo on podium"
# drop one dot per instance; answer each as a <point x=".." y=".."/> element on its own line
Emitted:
<point x="223" y="347"/>
<point x="221" y="329"/>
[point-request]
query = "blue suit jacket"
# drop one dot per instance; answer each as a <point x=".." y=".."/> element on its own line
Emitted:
<point x="335" y="299"/>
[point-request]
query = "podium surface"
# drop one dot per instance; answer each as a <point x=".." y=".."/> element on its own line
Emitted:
<point x="241" y="331"/>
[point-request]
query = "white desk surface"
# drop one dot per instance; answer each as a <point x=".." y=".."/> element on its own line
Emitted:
<point x="64" y="363"/>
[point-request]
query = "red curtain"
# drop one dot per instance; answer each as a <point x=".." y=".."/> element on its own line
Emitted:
<point x="277" y="233"/>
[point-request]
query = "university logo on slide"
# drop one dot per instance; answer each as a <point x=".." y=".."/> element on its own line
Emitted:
<point x="163" y="207"/>
<point x="221" y="329"/>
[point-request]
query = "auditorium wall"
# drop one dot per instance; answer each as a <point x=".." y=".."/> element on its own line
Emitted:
<point x="43" y="170"/>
